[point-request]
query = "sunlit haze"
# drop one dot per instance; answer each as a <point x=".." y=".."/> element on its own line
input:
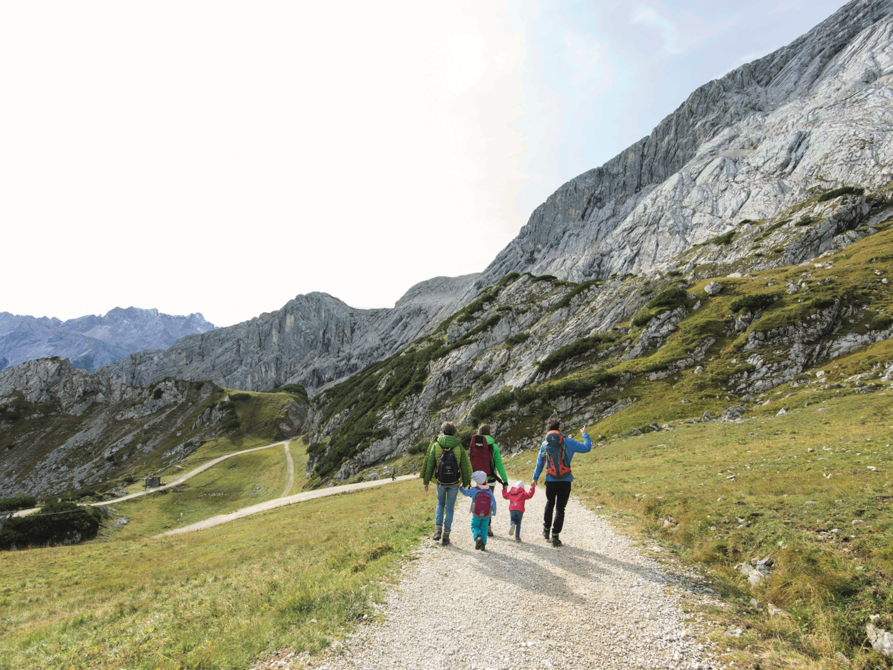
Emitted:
<point x="222" y="157"/>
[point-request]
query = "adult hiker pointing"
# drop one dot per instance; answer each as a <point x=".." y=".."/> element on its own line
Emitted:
<point x="555" y="457"/>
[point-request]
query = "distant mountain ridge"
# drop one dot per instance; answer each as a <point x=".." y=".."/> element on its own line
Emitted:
<point x="90" y="342"/>
<point x="313" y="340"/>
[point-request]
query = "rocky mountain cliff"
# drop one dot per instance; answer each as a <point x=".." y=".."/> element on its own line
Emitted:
<point x="314" y="340"/>
<point x="816" y="113"/>
<point x="90" y="342"/>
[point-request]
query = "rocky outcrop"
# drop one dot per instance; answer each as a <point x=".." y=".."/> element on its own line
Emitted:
<point x="314" y="340"/>
<point x="63" y="429"/>
<point x="90" y="342"/>
<point x="813" y="115"/>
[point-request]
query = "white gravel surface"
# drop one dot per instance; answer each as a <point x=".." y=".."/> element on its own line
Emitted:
<point x="597" y="602"/>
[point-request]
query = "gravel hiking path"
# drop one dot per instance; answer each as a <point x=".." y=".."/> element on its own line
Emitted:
<point x="597" y="602"/>
<point x="291" y="471"/>
<point x="279" y="502"/>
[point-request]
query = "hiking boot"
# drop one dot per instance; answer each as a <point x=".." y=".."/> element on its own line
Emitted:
<point x="446" y="538"/>
<point x="555" y="541"/>
<point x="483" y="547"/>
<point x="478" y="544"/>
<point x="512" y="529"/>
<point x="546" y="533"/>
<point x="490" y="531"/>
<point x="517" y="538"/>
<point x="438" y="530"/>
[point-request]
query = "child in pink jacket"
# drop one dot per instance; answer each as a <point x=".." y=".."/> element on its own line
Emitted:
<point x="516" y="497"/>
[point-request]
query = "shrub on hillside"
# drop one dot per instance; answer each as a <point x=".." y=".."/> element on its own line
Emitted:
<point x="316" y="448"/>
<point x="236" y="397"/>
<point x="545" y="278"/>
<point x="419" y="448"/>
<point x="821" y="303"/>
<point x="753" y="302"/>
<point x="231" y="423"/>
<point x="725" y="238"/>
<point x="487" y="408"/>
<point x="805" y="221"/>
<point x="55" y="524"/>
<point x="576" y="387"/>
<point x="16" y="503"/>
<point x="579" y="288"/>
<point x="641" y="319"/>
<point x="517" y="339"/>
<point x="573" y="350"/>
<point x="838" y="192"/>
<point x="671" y="297"/>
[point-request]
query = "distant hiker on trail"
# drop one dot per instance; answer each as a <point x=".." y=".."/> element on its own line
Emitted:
<point x="394" y="474"/>
<point x="485" y="457"/>
<point x="447" y="462"/>
<point x="483" y="506"/>
<point x="555" y="456"/>
<point x="517" y="497"/>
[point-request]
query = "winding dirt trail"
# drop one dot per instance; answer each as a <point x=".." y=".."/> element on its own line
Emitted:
<point x="290" y="464"/>
<point x="184" y="477"/>
<point x="279" y="502"/>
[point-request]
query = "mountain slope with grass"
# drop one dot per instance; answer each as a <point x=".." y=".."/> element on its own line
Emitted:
<point x="731" y="320"/>
<point x="65" y="430"/>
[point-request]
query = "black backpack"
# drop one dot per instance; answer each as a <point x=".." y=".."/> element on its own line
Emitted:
<point x="447" y="471"/>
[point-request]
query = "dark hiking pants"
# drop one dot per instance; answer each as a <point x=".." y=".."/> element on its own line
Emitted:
<point x="556" y="492"/>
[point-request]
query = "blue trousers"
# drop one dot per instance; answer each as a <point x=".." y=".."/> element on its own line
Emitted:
<point x="446" y="501"/>
<point x="479" y="526"/>
<point x="516" y="515"/>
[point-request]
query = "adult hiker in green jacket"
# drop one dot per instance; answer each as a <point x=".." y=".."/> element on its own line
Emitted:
<point x="484" y="455"/>
<point x="447" y="463"/>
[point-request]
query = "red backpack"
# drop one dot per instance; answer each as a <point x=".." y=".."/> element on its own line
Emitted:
<point x="480" y="505"/>
<point x="481" y="454"/>
<point x="555" y="455"/>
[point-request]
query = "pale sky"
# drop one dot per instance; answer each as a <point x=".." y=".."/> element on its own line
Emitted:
<point x="223" y="157"/>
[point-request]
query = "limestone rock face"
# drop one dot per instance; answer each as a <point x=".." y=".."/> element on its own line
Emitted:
<point x="314" y="340"/>
<point x="92" y="341"/>
<point x="816" y="113"/>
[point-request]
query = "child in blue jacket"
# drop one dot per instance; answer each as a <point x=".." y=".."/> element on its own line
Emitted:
<point x="483" y="504"/>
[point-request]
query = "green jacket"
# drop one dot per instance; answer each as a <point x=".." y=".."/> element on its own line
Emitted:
<point x="436" y="449"/>
<point x="497" y="462"/>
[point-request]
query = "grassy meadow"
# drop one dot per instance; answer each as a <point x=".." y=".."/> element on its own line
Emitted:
<point x="292" y="577"/>
<point x="811" y="489"/>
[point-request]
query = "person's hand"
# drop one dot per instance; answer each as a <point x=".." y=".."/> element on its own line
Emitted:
<point x="426" y="488"/>
<point x="584" y="430"/>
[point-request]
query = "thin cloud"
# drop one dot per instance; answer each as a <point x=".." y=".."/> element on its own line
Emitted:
<point x="586" y="58"/>
<point x="684" y="33"/>
<point x="787" y="6"/>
